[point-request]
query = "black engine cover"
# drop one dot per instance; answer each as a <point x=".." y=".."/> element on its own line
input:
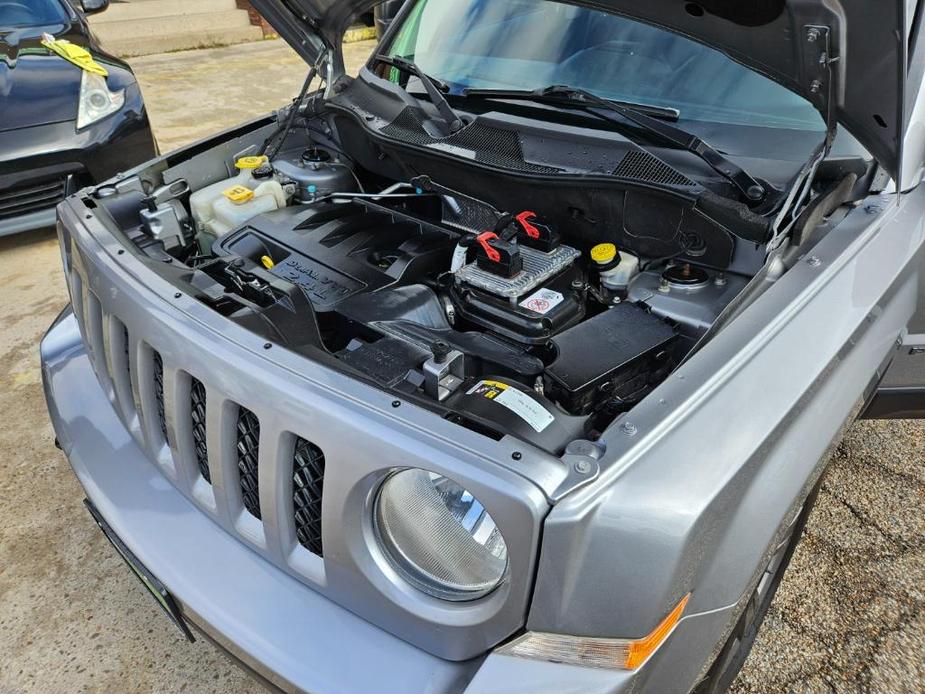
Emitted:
<point x="335" y="251"/>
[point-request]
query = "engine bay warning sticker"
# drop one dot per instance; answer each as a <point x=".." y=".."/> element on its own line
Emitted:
<point x="521" y="404"/>
<point x="543" y="301"/>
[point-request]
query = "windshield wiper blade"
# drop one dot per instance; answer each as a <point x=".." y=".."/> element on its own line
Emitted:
<point x="750" y="187"/>
<point x="434" y="88"/>
<point x="663" y="112"/>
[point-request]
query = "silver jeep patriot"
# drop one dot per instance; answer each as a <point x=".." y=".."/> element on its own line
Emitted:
<point x="512" y="363"/>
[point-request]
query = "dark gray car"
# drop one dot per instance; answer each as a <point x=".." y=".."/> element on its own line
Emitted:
<point x="512" y="363"/>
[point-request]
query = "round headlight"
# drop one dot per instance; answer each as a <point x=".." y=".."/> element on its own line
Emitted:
<point x="439" y="537"/>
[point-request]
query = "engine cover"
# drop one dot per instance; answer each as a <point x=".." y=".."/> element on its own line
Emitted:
<point x="336" y="251"/>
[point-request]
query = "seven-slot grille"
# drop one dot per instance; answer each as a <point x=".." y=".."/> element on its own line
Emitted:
<point x="115" y="357"/>
<point x="34" y="197"/>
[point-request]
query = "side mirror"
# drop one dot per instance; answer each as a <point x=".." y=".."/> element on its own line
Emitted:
<point x="94" y="6"/>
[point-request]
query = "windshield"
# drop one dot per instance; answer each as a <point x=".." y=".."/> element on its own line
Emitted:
<point x="30" y="13"/>
<point x="531" y="44"/>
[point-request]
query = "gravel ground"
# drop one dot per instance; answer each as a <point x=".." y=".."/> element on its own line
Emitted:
<point x="849" y="616"/>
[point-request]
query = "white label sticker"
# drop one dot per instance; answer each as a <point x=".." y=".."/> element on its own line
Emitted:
<point x="521" y="404"/>
<point x="543" y="301"/>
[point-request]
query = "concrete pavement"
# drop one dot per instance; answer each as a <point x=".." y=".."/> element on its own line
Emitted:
<point x="849" y="615"/>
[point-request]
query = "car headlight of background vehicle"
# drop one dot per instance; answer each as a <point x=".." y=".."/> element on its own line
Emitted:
<point x="439" y="537"/>
<point x="96" y="100"/>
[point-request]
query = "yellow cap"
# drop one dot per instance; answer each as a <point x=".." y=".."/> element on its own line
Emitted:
<point x="267" y="262"/>
<point x="251" y="162"/>
<point x="239" y="194"/>
<point x="604" y="253"/>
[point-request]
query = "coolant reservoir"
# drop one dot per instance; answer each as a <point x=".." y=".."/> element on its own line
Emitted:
<point x="238" y="204"/>
<point x="226" y="205"/>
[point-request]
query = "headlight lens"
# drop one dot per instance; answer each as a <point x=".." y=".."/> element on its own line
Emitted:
<point x="96" y="101"/>
<point x="439" y="537"/>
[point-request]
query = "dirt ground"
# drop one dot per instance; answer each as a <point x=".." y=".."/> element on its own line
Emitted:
<point x="848" y="618"/>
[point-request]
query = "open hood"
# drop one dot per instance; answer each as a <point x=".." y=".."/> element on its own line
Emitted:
<point x="848" y="57"/>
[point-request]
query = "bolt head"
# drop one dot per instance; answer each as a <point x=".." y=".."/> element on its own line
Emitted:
<point x="629" y="429"/>
<point x="582" y="467"/>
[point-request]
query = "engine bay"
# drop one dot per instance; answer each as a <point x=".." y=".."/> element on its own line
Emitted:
<point x="505" y="321"/>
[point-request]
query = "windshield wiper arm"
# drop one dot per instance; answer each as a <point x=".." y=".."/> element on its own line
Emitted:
<point x="644" y="117"/>
<point x="434" y="88"/>
<point x="541" y="95"/>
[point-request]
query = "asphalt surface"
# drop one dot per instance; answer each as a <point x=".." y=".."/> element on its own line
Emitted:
<point x="848" y="618"/>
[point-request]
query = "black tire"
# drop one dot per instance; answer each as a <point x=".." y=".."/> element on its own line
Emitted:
<point x="732" y="657"/>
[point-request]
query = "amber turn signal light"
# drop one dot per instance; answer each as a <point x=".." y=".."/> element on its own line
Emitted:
<point x="620" y="654"/>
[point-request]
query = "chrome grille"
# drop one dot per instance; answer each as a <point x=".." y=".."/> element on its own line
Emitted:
<point x="307" y="490"/>
<point x="248" y="456"/>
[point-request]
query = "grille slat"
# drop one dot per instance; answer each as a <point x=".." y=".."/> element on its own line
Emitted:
<point x="22" y="200"/>
<point x="198" y="414"/>
<point x="248" y="446"/>
<point x="307" y="492"/>
<point x="159" y="393"/>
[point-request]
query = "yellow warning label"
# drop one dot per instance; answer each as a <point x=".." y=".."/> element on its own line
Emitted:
<point x="521" y="404"/>
<point x="489" y="389"/>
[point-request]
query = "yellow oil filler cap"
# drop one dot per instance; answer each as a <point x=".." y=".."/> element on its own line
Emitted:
<point x="239" y="194"/>
<point x="604" y="253"/>
<point x="267" y="262"/>
<point x="245" y="163"/>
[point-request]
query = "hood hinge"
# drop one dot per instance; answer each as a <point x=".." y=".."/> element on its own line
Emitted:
<point x="820" y="75"/>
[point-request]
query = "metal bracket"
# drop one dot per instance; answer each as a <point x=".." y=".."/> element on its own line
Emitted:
<point x="582" y="459"/>
<point x="444" y="374"/>
<point x="817" y="68"/>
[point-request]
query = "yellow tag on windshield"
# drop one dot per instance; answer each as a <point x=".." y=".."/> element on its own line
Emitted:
<point x="74" y="54"/>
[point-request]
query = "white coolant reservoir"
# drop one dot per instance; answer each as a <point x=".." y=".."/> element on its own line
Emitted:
<point x="225" y="205"/>
<point x="239" y="203"/>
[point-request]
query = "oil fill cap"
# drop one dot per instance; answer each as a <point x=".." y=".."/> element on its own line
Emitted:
<point x="245" y="163"/>
<point x="604" y="253"/>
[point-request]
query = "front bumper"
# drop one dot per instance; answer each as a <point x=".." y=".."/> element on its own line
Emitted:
<point x="291" y="637"/>
<point x="39" y="166"/>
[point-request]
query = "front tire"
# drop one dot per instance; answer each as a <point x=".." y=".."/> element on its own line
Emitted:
<point x="732" y="657"/>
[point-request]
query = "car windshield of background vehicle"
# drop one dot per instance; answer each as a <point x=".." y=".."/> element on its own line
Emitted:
<point x="30" y="13"/>
<point x="530" y="44"/>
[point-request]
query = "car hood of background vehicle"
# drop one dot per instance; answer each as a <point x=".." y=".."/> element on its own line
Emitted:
<point x="790" y="41"/>
<point x="36" y="86"/>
